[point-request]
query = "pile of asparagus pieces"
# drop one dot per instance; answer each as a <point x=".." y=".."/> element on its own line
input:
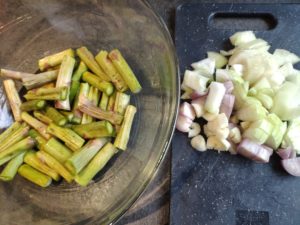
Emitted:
<point x="75" y="116"/>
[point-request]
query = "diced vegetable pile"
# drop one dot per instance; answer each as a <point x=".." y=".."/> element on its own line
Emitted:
<point x="76" y="116"/>
<point x="249" y="99"/>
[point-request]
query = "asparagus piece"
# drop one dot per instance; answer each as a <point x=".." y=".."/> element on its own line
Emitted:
<point x="108" y="67"/>
<point x="55" y="165"/>
<point x="49" y="97"/>
<point x="62" y="91"/>
<point x="81" y="158"/>
<point x="56" y="116"/>
<point x="123" y="68"/>
<point x="15" y="126"/>
<point x="10" y="157"/>
<point x="33" y="105"/>
<point x="64" y="80"/>
<point x="32" y="160"/>
<point x="68" y="115"/>
<point x="36" y="124"/>
<point x="14" y="137"/>
<point x="14" y="74"/>
<point x="71" y="139"/>
<point x="87" y="107"/>
<point x="121" y="103"/>
<point x="45" y="86"/>
<point x="39" y="79"/>
<point x="83" y="92"/>
<point x="40" y="116"/>
<point x="55" y="59"/>
<point x="104" y="101"/>
<point x="111" y="102"/>
<point x="76" y="80"/>
<point x="12" y="167"/>
<point x="34" y="176"/>
<point x="124" y="133"/>
<point x="24" y="144"/>
<point x="57" y="150"/>
<point x="94" y="130"/>
<point x="93" y="96"/>
<point x="87" y="57"/>
<point x="39" y="139"/>
<point x="95" y="81"/>
<point x="96" y="164"/>
<point x="13" y="98"/>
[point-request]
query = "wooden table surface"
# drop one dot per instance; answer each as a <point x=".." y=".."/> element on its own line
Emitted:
<point x="152" y="208"/>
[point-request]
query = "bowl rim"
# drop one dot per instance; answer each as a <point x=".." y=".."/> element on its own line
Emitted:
<point x="167" y="146"/>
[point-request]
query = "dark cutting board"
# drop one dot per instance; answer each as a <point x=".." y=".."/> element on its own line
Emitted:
<point x="211" y="188"/>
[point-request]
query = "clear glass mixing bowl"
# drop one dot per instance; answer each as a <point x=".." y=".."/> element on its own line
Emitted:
<point x="31" y="29"/>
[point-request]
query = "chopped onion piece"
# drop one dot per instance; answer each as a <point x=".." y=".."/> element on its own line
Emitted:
<point x="198" y="105"/>
<point x="254" y="151"/>
<point x="195" y="129"/>
<point x="183" y="124"/>
<point x="194" y="80"/>
<point x="227" y="105"/>
<point x="283" y="56"/>
<point x="286" y="153"/>
<point x="214" y="97"/>
<point x="198" y="143"/>
<point x="292" y="166"/>
<point x="206" y="67"/>
<point x="187" y="110"/>
<point x="219" y="59"/>
<point x="228" y="86"/>
<point x="242" y="37"/>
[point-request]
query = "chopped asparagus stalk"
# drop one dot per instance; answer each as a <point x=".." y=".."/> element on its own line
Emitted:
<point x="55" y="59"/>
<point x="123" y="68"/>
<point x="12" y="167"/>
<point x="45" y="86"/>
<point x="76" y="80"/>
<point x="15" y="126"/>
<point x="62" y="91"/>
<point x="87" y="57"/>
<point x="33" y="105"/>
<point x="40" y="116"/>
<point x="75" y="85"/>
<point x="13" y="98"/>
<point x="56" y="116"/>
<point x="34" y="176"/>
<point x="104" y="101"/>
<point x="55" y="165"/>
<point x="83" y="92"/>
<point x="57" y="150"/>
<point x="68" y="115"/>
<point x="121" y="103"/>
<point x="124" y="133"/>
<point x="108" y="67"/>
<point x="94" y="130"/>
<point x="14" y="137"/>
<point x="40" y="79"/>
<point x="93" y="96"/>
<point x="24" y="144"/>
<point x="14" y="74"/>
<point x="49" y="97"/>
<point x="87" y="107"/>
<point x="95" y="81"/>
<point x="39" y="139"/>
<point x="10" y="157"/>
<point x="64" y="80"/>
<point x="32" y="160"/>
<point x="36" y="124"/>
<point x="96" y="164"/>
<point x="111" y="102"/>
<point x="71" y="139"/>
<point x="81" y="158"/>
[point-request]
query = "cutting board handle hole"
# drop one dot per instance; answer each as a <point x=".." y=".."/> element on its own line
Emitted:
<point x="242" y="21"/>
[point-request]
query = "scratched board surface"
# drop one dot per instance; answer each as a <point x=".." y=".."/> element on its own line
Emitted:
<point x="215" y="189"/>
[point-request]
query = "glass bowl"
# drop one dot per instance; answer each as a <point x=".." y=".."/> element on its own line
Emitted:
<point x="31" y="29"/>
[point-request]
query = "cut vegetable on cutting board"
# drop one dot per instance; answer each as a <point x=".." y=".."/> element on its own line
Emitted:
<point x="236" y="143"/>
